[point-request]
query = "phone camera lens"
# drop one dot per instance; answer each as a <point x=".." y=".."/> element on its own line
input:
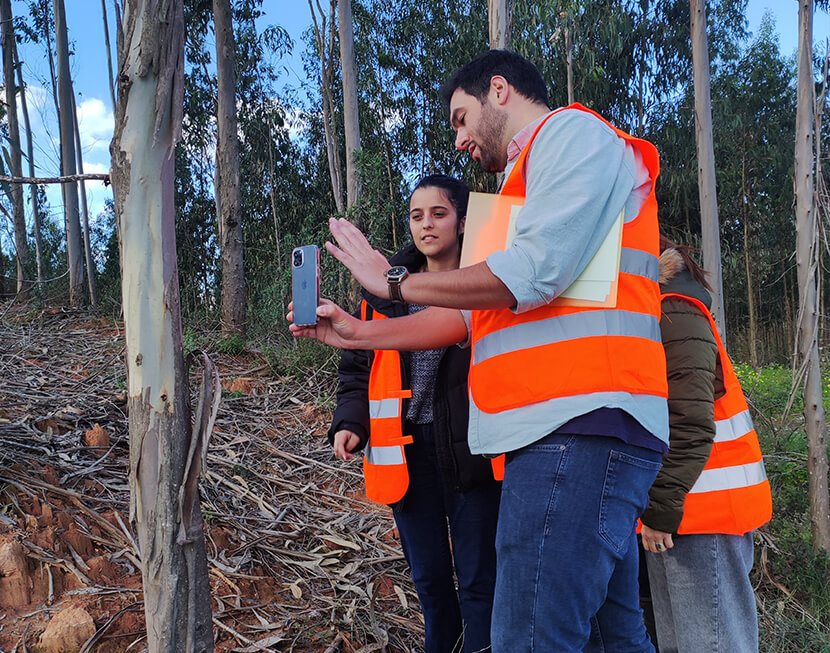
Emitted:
<point x="298" y="258"/>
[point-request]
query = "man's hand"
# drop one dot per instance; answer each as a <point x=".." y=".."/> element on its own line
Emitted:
<point x="656" y="541"/>
<point x="366" y="264"/>
<point x="334" y="327"/>
<point x="345" y="443"/>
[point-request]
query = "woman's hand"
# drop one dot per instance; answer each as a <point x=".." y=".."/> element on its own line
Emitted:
<point x="345" y="443"/>
<point x="334" y="327"/>
<point x="367" y="265"/>
<point x="656" y="541"/>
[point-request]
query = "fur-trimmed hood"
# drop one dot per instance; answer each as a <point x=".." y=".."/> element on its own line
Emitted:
<point x="676" y="278"/>
<point x="671" y="264"/>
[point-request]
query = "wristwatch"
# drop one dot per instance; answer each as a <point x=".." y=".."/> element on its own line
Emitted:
<point x="394" y="277"/>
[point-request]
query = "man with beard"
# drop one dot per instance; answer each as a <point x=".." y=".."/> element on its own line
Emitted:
<point x="574" y="395"/>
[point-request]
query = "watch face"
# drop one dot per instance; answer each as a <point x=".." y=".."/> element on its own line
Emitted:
<point x="396" y="273"/>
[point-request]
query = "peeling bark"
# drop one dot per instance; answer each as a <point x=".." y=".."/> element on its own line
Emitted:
<point x="164" y="502"/>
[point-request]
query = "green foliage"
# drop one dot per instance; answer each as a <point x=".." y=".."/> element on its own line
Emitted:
<point x="301" y="358"/>
<point x="232" y="345"/>
<point x="798" y="620"/>
<point x="192" y="340"/>
<point x="768" y="388"/>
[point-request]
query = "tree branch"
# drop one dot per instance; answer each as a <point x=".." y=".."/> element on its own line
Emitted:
<point x="68" y="179"/>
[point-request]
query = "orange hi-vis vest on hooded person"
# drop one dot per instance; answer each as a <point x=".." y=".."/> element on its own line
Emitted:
<point x="384" y="462"/>
<point x="559" y="351"/>
<point x="732" y="495"/>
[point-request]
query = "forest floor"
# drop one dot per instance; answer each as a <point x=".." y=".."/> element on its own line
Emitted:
<point x="299" y="560"/>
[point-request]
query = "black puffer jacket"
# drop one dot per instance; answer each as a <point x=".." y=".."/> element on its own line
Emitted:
<point x="695" y="381"/>
<point x="460" y="468"/>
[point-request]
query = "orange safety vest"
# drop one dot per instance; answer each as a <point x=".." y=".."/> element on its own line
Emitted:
<point x="563" y="351"/>
<point x="384" y="462"/>
<point x="732" y="494"/>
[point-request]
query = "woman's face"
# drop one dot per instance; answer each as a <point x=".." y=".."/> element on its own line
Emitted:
<point x="433" y="223"/>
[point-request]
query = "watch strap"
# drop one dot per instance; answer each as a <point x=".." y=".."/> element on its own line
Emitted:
<point x="395" y="291"/>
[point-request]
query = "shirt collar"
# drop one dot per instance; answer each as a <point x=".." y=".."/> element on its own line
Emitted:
<point x="520" y="140"/>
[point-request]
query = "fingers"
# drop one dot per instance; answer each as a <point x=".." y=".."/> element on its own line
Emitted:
<point x="349" y="238"/>
<point x="337" y="253"/>
<point x="658" y="544"/>
<point x="345" y="443"/>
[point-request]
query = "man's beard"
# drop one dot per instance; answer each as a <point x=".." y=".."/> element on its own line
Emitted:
<point x="491" y="130"/>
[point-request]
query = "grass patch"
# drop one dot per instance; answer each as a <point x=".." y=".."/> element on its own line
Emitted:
<point x="231" y="345"/>
<point x="793" y="581"/>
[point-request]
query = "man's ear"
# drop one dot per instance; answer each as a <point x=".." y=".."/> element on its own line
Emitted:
<point x="499" y="90"/>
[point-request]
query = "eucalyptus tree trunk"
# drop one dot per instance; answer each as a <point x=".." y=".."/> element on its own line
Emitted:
<point x="15" y="157"/>
<point x="88" y="258"/>
<point x="164" y="449"/>
<point x="24" y="109"/>
<point x="109" y="52"/>
<point x="74" y="249"/>
<point x="228" y="201"/>
<point x="47" y="38"/>
<point x="750" y="290"/>
<point x="569" y="63"/>
<point x="707" y="189"/>
<point x="500" y="15"/>
<point x="351" y="121"/>
<point x="324" y="39"/>
<point x="807" y="245"/>
<point x="272" y="196"/>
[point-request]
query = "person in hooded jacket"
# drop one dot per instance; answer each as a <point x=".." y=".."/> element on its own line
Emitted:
<point x="417" y="403"/>
<point x="712" y="491"/>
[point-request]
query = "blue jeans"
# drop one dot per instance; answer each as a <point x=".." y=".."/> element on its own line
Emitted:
<point x="702" y="595"/>
<point x="566" y="546"/>
<point x="427" y="517"/>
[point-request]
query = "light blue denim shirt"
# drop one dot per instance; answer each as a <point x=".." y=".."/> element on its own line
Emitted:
<point x="579" y="175"/>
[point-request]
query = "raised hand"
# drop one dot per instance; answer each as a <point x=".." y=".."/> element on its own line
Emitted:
<point x="366" y="264"/>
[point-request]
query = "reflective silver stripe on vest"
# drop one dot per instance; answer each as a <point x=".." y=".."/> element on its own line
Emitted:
<point x="384" y="455"/>
<point x="730" y="478"/>
<point x="383" y="408"/>
<point x="733" y="428"/>
<point x="566" y="327"/>
<point x="636" y="261"/>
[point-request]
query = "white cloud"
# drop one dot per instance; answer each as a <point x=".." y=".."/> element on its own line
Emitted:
<point x="95" y="123"/>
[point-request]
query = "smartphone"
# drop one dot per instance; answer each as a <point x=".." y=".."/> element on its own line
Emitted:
<point x="305" y="284"/>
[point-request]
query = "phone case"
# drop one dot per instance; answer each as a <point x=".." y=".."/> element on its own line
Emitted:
<point x="305" y="284"/>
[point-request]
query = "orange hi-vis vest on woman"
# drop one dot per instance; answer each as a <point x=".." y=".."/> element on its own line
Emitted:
<point x="384" y="462"/>
<point x="559" y="351"/>
<point x="732" y="495"/>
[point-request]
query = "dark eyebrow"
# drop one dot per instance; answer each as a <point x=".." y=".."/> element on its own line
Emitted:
<point x="442" y="207"/>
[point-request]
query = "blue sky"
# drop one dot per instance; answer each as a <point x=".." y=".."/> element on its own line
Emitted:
<point x="89" y="72"/>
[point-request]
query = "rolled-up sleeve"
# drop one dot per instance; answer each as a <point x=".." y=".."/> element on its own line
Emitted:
<point x="580" y="175"/>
